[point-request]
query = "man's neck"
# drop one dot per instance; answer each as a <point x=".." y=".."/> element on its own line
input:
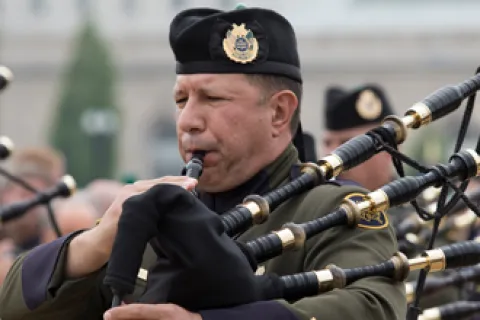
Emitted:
<point x="262" y="182"/>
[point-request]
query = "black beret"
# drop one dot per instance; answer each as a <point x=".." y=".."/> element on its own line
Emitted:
<point x="365" y="105"/>
<point x="246" y="40"/>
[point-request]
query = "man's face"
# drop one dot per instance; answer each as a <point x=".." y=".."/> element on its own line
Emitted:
<point x="223" y="114"/>
<point x="371" y="174"/>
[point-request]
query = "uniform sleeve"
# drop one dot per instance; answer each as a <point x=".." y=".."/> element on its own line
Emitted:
<point x="35" y="287"/>
<point x="373" y="298"/>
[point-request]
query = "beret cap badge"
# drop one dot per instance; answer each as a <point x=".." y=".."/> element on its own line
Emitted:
<point x="240" y="44"/>
<point x="368" y="105"/>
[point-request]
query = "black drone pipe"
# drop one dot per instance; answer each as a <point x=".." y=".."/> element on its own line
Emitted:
<point x="463" y="165"/>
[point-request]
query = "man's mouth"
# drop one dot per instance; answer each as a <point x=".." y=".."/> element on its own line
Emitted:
<point x="208" y="156"/>
<point x="200" y="153"/>
<point x="197" y="152"/>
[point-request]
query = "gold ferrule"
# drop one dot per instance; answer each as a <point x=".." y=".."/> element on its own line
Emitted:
<point x="325" y="280"/>
<point x="324" y="169"/>
<point x="314" y="170"/>
<point x="379" y="200"/>
<point x="352" y="210"/>
<point x="359" y="207"/>
<point x="287" y="237"/>
<point x="363" y="207"/>
<point x="409" y="292"/>
<point x="422" y="116"/>
<point x="258" y="207"/>
<point x="334" y="165"/>
<point x="409" y="120"/>
<point x="418" y="263"/>
<point x="436" y="259"/>
<point x="254" y="209"/>
<point x="310" y="168"/>
<point x="402" y="269"/>
<point x="430" y="314"/>
<point x="7" y="143"/>
<point x="399" y="127"/>
<point x="476" y="157"/>
<point x="70" y="183"/>
<point x="298" y="233"/>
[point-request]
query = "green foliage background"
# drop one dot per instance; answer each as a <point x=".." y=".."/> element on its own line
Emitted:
<point x="88" y="84"/>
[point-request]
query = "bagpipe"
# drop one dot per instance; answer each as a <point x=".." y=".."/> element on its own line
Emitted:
<point x="413" y="224"/>
<point x="64" y="188"/>
<point x="434" y="284"/>
<point x="173" y="230"/>
<point x="191" y="237"/>
<point x="393" y="131"/>
<point x="453" y="311"/>
<point x="456" y="227"/>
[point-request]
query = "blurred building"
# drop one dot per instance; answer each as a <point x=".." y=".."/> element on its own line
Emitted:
<point x="411" y="47"/>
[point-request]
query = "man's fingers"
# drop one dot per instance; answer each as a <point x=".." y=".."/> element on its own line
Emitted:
<point x="134" y="312"/>
<point x="185" y="182"/>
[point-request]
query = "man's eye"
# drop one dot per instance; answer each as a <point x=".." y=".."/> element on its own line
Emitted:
<point x="212" y="98"/>
<point x="179" y="101"/>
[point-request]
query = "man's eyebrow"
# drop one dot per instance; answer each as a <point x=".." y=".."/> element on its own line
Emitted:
<point x="207" y="90"/>
<point x="178" y="91"/>
<point x="223" y="90"/>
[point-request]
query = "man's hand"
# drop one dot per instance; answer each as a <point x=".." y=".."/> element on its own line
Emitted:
<point x="90" y="250"/>
<point x="110" y="218"/>
<point x="150" y="312"/>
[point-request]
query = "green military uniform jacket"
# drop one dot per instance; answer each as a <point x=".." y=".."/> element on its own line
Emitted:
<point x="36" y="288"/>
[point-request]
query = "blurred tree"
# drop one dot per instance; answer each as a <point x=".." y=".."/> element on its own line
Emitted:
<point x="86" y="121"/>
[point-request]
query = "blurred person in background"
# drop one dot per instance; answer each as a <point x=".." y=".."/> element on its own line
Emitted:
<point x="42" y="168"/>
<point x="72" y="214"/>
<point x="101" y="193"/>
<point x="350" y="113"/>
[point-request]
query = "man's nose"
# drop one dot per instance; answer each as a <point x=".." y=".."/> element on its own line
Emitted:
<point x="191" y="118"/>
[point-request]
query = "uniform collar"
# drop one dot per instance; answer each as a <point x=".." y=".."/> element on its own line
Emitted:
<point x="264" y="181"/>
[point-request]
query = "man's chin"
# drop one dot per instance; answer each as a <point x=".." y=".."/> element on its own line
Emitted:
<point x="211" y="184"/>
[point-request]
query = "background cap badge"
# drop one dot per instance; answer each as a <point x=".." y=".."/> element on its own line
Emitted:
<point x="369" y="105"/>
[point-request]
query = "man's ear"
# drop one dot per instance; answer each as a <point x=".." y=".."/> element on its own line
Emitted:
<point x="283" y="104"/>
